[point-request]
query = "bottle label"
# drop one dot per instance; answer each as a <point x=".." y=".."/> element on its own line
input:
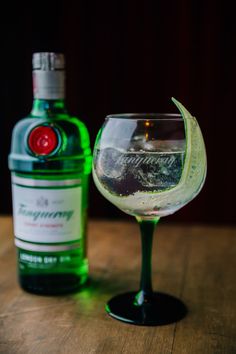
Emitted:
<point x="47" y="213"/>
<point x="48" y="84"/>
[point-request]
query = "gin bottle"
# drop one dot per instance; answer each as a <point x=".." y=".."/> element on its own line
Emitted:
<point x="50" y="163"/>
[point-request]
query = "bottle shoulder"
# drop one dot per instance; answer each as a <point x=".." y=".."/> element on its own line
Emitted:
<point x="70" y="124"/>
<point x="73" y="143"/>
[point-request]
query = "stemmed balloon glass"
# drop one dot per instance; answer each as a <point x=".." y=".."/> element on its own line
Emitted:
<point x="149" y="166"/>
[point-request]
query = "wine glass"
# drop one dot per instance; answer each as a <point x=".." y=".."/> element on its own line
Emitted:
<point x="149" y="166"/>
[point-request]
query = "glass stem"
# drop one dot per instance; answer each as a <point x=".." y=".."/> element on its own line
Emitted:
<point x="147" y="228"/>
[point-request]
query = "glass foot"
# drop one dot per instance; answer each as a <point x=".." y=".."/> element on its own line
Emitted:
<point x="160" y="309"/>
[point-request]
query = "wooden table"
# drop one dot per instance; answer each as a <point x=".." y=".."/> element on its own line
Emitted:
<point x="194" y="263"/>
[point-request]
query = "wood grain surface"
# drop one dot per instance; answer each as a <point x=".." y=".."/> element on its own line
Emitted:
<point x="194" y="263"/>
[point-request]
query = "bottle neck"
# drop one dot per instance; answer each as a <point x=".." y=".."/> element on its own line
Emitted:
<point x="49" y="93"/>
<point x="48" y="108"/>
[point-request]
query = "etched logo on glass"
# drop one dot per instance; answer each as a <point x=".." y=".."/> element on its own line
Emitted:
<point x="142" y="170"/>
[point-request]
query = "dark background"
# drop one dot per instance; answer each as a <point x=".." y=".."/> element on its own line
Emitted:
<point x="130" y="56"/>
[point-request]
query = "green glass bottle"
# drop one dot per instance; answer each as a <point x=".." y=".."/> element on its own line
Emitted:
<point x="50" y="163"/>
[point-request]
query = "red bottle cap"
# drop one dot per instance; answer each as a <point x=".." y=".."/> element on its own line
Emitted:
<point x="43" y="140"/>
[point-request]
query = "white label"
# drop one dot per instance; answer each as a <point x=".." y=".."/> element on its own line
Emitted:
<point x="48" y="84"/>
<point x="46" y="215"/>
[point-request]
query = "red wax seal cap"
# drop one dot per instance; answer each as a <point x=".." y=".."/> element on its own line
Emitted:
<point x="43" y="140"/>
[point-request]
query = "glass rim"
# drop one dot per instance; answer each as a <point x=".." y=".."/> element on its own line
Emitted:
<point x="146" y="116"/>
